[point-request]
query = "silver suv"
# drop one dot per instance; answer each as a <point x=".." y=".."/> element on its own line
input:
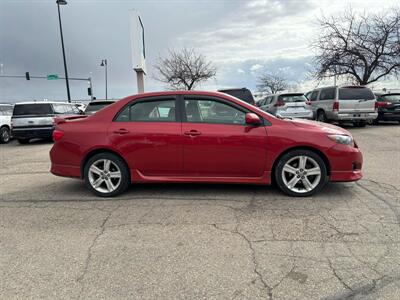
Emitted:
<point x="354" y="104"/>
<point x="36" y="119"/>
<point x="288" y="105"/>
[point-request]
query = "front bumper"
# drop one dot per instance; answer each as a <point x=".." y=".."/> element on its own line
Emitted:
<point x="354" y="116"/>
<point x="31" y="133"/>
<point x="345" y="162"/>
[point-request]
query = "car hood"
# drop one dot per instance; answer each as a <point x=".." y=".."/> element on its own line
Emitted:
<point x="327" y="128"/>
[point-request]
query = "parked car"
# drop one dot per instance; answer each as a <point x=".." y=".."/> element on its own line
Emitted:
<point x="388" y="107"/>
<point x="36" y="119"/>
<point x="240" y="93"/>
<point x="5" y="123"/>
<point x="96" y="105"/>
<point x="81" y="107"/>
<point x="354" y="104"/>
<point x="179" y="137"/>
<point x="288" y="105"/>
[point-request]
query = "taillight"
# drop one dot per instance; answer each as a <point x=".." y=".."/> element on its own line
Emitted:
<point x="336" y="105"/>
<point x="382" y="104"/>
<point x="279" y="103"/>
<point x="57" y="135"/>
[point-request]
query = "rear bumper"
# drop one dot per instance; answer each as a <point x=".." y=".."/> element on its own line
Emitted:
<point x="389" y="116"/>
<point x="31" y="133"/>
<point x="354" y="116"/>
<point x="65" y="171"/>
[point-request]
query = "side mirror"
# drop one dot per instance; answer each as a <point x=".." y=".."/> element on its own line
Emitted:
<point x="252" y="119"/>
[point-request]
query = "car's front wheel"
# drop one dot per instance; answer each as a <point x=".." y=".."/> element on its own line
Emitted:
<point x="106" y="175"/>
<point x="301" y="173"/>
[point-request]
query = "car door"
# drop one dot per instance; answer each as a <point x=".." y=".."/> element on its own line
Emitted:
<point x="148" y="133"/>
<point x="218" y="143"/>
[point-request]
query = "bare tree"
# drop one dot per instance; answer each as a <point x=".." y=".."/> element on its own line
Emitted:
<point x="363" y="48"/>
<point x="272" y="83"/>
<point x="184" y="69"/>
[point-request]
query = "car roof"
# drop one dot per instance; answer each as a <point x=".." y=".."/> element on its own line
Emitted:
<point x="101" y="101"/>
<point x="42" y="102"/>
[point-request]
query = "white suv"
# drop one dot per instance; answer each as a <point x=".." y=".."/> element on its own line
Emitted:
<point x="5" y="122"/>
<point x="343" y="103"/>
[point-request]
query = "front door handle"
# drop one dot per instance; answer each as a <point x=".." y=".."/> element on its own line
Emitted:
<point x="192" y="132"/>
<point x="121" y="131"/>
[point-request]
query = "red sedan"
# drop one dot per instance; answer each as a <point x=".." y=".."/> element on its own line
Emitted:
<point x="193" y="136"/>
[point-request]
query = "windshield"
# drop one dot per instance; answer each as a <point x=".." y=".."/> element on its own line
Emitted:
<point x="292" y="98"/>
<point x="32" y="109"/>
<point x="355" y="94"/>
<point x="390" y="98"/>
<point x="6" y="110"/>
<point x="92" y="107"/>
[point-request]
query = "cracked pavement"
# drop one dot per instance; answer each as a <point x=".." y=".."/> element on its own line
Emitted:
<point x="186" y="241"/>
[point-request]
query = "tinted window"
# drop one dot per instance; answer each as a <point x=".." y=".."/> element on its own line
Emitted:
<point x="389" y="98"/>
<point x="32" y="109"/>
<point x="242" y="94"/>
<point x="96" y="106"/>
<point x="292" y="98"/>
<point x="212" y="111"/>
<point x="355" y="94"/>
<point x="327" y="94"/>
<point x="314" y="96"/>
<point x="149" y="111"/>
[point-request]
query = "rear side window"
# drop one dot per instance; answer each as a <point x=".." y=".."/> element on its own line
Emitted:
<point x="327" y="94"/>
<point x="292" y="98"/>
<point x="355" y="94"/>
<point x="96" y="106"/>
<point x="32" y="109"/>
<point x="149" y="111"/>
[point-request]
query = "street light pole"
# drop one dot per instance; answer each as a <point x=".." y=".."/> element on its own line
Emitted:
<point x="63" y="2"/>
<point x="104" y="64"/>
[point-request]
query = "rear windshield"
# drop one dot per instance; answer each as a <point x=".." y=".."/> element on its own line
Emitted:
<point x="390" y="98"/>
<point x="244" y="95"/>
<point x="355" y="94"/>
<point x="292" y="98"/>
<point x="32" y="109"/>
<point x="96" y="106"/>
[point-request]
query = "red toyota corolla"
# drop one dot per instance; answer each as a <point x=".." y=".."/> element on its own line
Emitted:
<point x="193" y="136"/>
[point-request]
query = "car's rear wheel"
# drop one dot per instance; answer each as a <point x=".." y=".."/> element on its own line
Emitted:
<point x="321" y="116"/>
<point x="23" y="141"/>
<point x="301" y="173"/>
<point x="4" y="135"/>
<point x="106" y="175"/>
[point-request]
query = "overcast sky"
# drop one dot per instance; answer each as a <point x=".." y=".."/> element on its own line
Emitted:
<point x="242" y="38"/>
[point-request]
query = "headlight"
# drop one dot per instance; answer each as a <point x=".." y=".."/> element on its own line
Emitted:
<point x="342" y="139"/>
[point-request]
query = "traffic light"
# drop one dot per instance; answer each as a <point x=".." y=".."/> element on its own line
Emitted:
<point x="89" y="91"/>
<point x="27" y="76"/>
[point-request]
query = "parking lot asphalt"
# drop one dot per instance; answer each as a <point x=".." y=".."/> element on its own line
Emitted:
<point x="186" y="241"/>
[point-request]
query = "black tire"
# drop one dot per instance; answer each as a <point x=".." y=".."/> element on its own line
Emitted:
<point x="5" y="135"/>
<point x="321" y="116"/>
<point x="125" y="174"/>
<point x="375" y="122"/>
<point x="360" y="124"/>
<point x="23" y="141"/>
<point x="292" y="154"/>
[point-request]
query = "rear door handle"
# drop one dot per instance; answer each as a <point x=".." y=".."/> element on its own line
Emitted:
<point x="121" y="131"/>
<point x="192" y="132"/>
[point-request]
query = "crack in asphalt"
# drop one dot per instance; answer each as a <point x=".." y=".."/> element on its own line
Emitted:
<point x="89" y="251"/>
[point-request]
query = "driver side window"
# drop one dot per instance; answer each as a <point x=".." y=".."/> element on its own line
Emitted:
<point x="213" y="112"/>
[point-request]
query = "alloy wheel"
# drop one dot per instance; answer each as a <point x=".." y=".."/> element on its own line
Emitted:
<point x="301" y="174"/>
<point x="5" y="136"/>
<point x="104" y="176"/>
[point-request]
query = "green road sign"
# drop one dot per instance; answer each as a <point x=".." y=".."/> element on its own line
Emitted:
<point x="52" y="77"/>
